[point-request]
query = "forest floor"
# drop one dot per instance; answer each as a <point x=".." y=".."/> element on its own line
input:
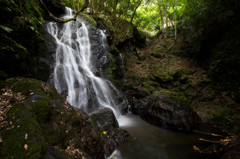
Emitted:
<point x="159" y="66"/>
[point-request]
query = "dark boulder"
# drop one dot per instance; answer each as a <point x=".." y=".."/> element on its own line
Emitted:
<point x="139" y="38"/>
<point x="104" y="118"/>
<point x="170" y="110"/>
<point x="139" y="105"/>
<point x="40" y="118"/>
<point x="107" y="126"/>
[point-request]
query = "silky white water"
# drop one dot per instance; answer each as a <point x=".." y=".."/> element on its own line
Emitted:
<point x="73" y="72"/>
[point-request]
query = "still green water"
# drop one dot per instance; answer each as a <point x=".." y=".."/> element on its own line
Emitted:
<point x="151" y="142"/>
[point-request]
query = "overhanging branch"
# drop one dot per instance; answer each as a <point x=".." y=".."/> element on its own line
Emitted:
<point x="60" y="20"/>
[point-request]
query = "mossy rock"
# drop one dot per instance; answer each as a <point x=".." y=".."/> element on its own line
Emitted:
<point x="183" y="79"/>
<point x="48" y="121"/>
<point x="157" y="55"/>
<point x="175" y="96"/>
<point x="147" y="87"/>
<point x="24" y="85"/>
<point x="163" y="77"/>
<point x="222" y="117"/>
<point x="170" y="110"/>
<point x="14" y="136"/>
<point x="118" y="29"/>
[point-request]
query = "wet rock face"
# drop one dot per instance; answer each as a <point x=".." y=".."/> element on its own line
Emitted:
<point x="46" y="54"/>
<point x="169" y="112"/>
<point x="104" y="118"/>
<point x="99" y="50"/>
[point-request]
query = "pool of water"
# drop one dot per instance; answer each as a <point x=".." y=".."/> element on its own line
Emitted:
<point x="150" y="142"/>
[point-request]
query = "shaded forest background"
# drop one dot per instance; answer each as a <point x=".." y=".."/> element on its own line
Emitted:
<point x="209" y="28"/>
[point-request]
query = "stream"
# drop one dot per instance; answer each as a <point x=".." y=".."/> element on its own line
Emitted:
<point x="150" y="142"/>
<point x="80" y="60"/>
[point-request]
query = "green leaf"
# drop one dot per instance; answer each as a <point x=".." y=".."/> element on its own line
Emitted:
<point x="7" y="29"/>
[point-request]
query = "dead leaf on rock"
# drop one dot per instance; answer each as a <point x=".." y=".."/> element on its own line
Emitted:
<point x="26" y="147"/>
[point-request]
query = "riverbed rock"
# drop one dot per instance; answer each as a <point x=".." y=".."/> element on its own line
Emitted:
<point x="170" y="110"/>
<point x="139" y="105"/>
<point x="108" y="128"/>
<point x="104" y="118"/>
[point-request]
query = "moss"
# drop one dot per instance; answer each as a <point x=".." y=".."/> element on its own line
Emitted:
<point x="89" y="19"/>
<point x="119" y="29"/>
<point x="163" y="77"/>
<point x="148" y="88"/>
<point x="41" y="107"/>
<point x="23" y="122"/>
<point x="158" y="53"/>
<point x="46" y="120"/>
<point x="177" y="97"/>
<point x="222" y="117"/>
<point x="138" y="62"/>
<point x="200" y="77"/>
<point x="186" y="71"/>
<point x="24" y="85"/>
<point x="110" y="72"/>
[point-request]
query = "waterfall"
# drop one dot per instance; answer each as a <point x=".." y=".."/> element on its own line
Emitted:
<point x="75" y="72"/>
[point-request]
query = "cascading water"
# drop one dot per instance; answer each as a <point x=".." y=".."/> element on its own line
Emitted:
<point x="78" y="75"/>
<point x="74" y="71"/>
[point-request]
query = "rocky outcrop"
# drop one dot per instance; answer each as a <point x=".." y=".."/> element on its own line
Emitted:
<point x="40" y="124"/>
<point x="46" y="53"/>
<point x="168" y="110"/>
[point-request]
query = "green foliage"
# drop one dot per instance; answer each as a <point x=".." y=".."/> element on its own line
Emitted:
<point x="20" y="25"/>
<point x="7" y="29"/>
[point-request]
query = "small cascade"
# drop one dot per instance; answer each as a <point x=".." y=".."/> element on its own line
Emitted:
<point x="103" y="39"/>
<point x="74" y="71"/>
<point x="121" y="58"/>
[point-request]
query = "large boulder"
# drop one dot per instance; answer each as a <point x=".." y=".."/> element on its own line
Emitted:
<point x="104" y="118"/>
<point x="170" y="110"/>
<point x="40" y="124"/>
<point x="108" y="128"/>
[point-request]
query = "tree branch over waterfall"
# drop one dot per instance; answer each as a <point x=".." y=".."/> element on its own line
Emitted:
<point x="65" y="20"/>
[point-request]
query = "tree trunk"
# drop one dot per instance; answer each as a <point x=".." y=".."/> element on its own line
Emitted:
<point x="78" y="5"/>
<point x="101" y="5"/>
<point x="115" y="8"/>
<point x="135" y="11"/>
<point x="72" y="4"/>
<point x="92" y="7"/>
<point x="161" y="15"/>
<point x="166" y="18"/>
<point x="175" y="23"/>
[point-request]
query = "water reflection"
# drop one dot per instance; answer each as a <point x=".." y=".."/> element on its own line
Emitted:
<point x="150" y="142"/>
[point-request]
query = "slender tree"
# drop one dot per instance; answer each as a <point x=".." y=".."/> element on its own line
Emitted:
<point x="134" y="12"/>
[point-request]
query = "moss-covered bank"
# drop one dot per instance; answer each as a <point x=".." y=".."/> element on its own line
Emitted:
<point x="47" y="125"/>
